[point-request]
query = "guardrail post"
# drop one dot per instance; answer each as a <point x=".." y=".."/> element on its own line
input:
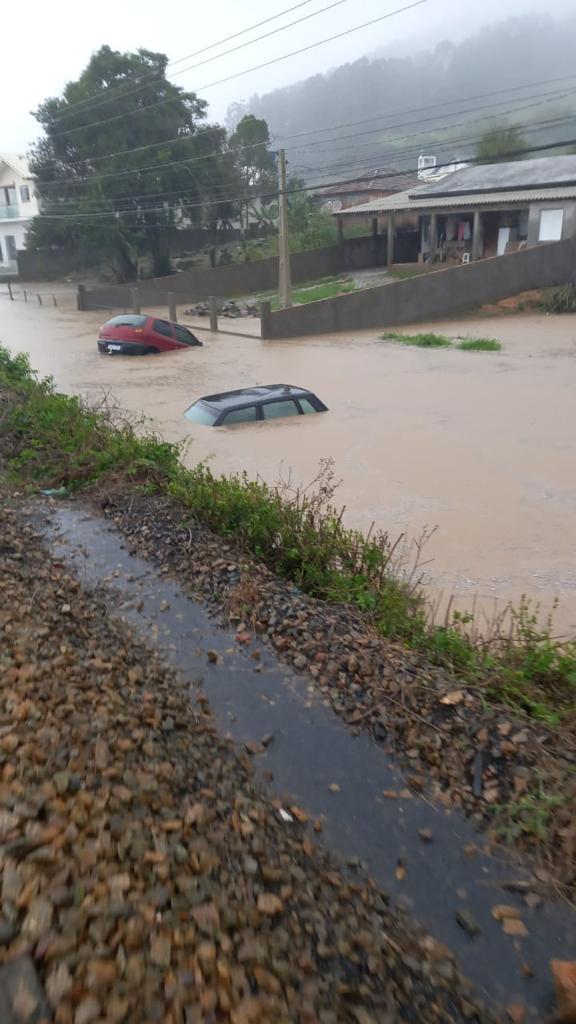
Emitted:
<point x="135" y="300"/>
<point x="10" y="291"/>
<point x="172" y="312"/>
<point x="265" y="314"/>
<point x="213" y="313"/>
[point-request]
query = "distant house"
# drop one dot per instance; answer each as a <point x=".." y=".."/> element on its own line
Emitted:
<point x="482" y="210"/>
<point x="366" y="187"/>
<point x="18" y="205"/>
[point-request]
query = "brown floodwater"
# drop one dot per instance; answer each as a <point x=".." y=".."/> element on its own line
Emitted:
<point x="479" y="447"/>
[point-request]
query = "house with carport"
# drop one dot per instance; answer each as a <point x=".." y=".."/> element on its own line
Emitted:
<point x="479" y="211"/>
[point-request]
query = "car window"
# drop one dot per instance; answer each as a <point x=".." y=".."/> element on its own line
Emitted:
<point x="246" y="415"/>
<point x="273" y="410"/>
<point x="200" y="413"/>
<point x="161" y="327"/>
<point x="306" y="405"/>
<point x="127" y="320"/>
<point x="183" y="335"/>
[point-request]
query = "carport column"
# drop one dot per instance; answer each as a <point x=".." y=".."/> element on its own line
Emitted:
<point x="433" y="234"/>
<point x="390" y="249"/>
<point x="213" y="313"/>
<point x="135" y="300"/>
<point x="172" y="314"/>
<point x="477" y="236"/>
<point x="340" y="224"/>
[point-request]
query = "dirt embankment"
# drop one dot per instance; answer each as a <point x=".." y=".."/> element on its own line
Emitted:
<point x="143" y="872"/>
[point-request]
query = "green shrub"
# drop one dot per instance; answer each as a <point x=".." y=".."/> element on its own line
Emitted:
<point x="479" y="345"/>
<point x="420" y="340"/>
<point x="560" y="300"/>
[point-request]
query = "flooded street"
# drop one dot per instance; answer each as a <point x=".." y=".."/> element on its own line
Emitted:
<point x="479" y="445"/>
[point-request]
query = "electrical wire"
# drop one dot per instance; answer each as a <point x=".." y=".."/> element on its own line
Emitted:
<point x="388" y="141"/>
<point x="514" y="154"/>
<point x="118" y="93"/>
<point x="203" y="132"/>
<point x="247" y="71"/>
<point x="234" y="49"/>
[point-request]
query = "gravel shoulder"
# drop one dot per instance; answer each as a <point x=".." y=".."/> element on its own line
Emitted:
<point x="144" y="872"/>
<point x="512" y="776"/>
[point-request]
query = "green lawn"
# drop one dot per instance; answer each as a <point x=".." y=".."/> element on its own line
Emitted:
<point x="323" y="288"/>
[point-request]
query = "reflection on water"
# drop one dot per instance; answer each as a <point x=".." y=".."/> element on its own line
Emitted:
<point x="480" y="445"/>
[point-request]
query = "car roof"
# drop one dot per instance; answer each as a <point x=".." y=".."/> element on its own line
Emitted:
<point x="250" y="396"/>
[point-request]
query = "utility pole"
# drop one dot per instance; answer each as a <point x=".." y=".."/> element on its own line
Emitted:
<point x="285" y="278"/>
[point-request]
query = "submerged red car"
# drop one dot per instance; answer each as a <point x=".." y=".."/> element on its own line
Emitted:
<point x="136" y="334"/>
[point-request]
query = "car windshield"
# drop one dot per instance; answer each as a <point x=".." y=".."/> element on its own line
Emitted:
<point x="127" y="320"/>
<point x="200" y="413"/>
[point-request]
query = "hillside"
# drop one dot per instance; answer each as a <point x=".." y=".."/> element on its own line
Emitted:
<point x="433" y="100"/>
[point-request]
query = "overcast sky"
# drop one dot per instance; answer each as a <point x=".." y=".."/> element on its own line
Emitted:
<point x="53" y="42"/>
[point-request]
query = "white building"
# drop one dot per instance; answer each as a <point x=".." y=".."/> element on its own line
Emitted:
<point x="18" y="205"/>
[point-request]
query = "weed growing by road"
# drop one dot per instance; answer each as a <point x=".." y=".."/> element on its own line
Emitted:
<point x="560" y="300"/>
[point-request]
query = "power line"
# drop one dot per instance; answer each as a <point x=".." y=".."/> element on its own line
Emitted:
<point x="247" y="71"/>
<point x="389" y="141"/>
<point x="92" y="101"/>
<point x="225" y="53"/>
<point x="203" y="132"/>
<point x="514" y="154"/>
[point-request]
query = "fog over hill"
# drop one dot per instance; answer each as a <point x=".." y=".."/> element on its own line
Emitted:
<point x="438" y="100"/>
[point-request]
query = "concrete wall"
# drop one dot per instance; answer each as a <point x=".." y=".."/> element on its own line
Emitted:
<point x="440" y="293"/>
<point x="253" y="277"/>
<point x="568" y="223"/>
<point x="49" y="264"/>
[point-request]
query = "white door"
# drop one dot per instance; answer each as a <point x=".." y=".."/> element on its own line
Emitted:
<point x="503" y="239"/>
<point x="550" y="225"/>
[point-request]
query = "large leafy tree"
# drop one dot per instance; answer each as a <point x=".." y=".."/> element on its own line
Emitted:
<point x="175" y="168"/>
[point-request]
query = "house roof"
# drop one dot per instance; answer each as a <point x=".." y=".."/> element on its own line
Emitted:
<point x="421" y="200"/>
<point x="543" y="172"/>
<point x="18" y="163"/>
<point x="384" y="180"/>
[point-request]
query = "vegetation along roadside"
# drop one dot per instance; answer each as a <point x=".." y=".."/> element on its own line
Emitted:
<point x="484" y="723"/>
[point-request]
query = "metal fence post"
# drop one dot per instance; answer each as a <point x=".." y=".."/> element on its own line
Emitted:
<point x="25" y="296"/>
<point x="39" y="297"/>
<point x="10" y="291"/>
<point x="54" y="300"/>
<point x="172" y="312"/>
<point x="213" y="313"/>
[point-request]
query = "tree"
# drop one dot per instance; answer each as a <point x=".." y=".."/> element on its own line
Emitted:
<point x="256" y="167"/>
<point x="168" y="168"/>
<point x="499" y="144"/>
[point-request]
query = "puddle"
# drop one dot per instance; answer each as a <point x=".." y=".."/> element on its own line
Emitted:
<point x="311" y="750"/>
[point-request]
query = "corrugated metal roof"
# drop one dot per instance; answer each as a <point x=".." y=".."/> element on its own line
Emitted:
<point x="386" y="180"/>
<point x="542" y="172"/>
<point x="402" y="201"/>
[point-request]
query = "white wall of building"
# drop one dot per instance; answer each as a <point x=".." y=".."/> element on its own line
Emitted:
<point x="18" y="205"/>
